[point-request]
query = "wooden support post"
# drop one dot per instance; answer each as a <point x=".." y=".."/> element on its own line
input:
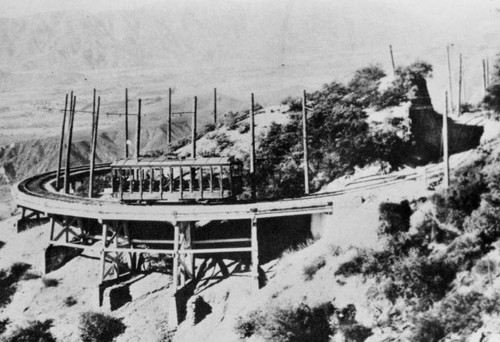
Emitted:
<point x="52" y="226"/>
<point x="103" y="250"/>
<point x="126" y="123"/>
<point x="392" y="60"/>
<point x="161" y="182"/>
<point x="193" y="138"/>
<point x="211" y="179"/>
<point x="460" y="88"/>
<point x="252" y="147"/>
<point x="141" y="178"/>
<point x="94" y="148"/>
<point x="201" y="182"/>
<point x="445" y="146"/>
<point x="304" y="143"/>
<point x="181" y="186"/>
<point x="452" y="106"/>
<point x="255" y="254"/>
<point x="61" y="146"/>
<point x="171" y="179"/>
<point x="169" y="115"/>
<point x="175" y="266"/>
<point x="68" y="149"/>
<point x="215" y="105"/>
<point x="221" y="182"/>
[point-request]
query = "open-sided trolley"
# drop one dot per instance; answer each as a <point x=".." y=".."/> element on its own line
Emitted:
<point x="164" y="179"/>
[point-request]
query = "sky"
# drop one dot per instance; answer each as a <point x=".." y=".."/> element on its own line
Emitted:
<point x="438" y="8"/>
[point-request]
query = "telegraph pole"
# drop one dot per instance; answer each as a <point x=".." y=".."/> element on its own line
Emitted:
<point x="126" y="123"/>
<point x="70" y="137"/>
<point x="445" y="146"/>
<point x="392" y="60"/>
<point x="215" y="105"/>
<point x="449" y="76"/>
<point x="138" y="133"/>
<point x="252" y="146"/>
<point x="304" y="142"/>
<point x="460" y="88"/>
<point x="94" y="147"/>
<point x="61" y="146"/>
<point x="169" y="115"/>
<point x="193" y="130"/>
<point x="485" y="85"/>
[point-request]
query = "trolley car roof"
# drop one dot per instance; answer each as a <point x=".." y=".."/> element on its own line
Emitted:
<point x="166" y="162"/>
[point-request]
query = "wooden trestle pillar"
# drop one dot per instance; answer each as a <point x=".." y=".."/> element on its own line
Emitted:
<point x="255" y="254"/>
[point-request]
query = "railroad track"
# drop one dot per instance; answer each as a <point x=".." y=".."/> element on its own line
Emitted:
<point x="34" y="193"/>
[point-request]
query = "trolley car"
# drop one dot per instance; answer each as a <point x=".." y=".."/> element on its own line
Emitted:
<point x="164" y="179"/>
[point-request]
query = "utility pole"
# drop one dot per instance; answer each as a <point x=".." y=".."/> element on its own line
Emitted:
<point x="445" y="146"/>
<point x="94" y="148"/>
<point x="138" y="133"/>
<point x="487" y="71"/>
<point x="392" y="60"/>
<point x="215" y="105"/>
<point x="460" y="88"/>
<point x="252" y="146"/>
<point x="169" y="115"/>
<point x="193" y="129"/>
<point x="485" y="85"/>
<point x="449" y="76"/>
<point x="304" y="142"/>
<point x="126" y="123"/>
<point x="70" y="137"/>
<point x="93" y="114"/>
<point x="61" y="146"/>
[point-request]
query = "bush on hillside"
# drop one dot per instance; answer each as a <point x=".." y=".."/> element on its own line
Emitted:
<point x="35" y="331"/>
<point x="364" y="86"/>
<point x="394" y="218"/>
<point x="70" y="301"/>
<point x="3" y="325"/>
<point x="98" y="327"/>
<point x="310" y="270"/>
<point x="9" y="279"/>
<point x="294" y="103"/>
<point x="457" y="313"/>
<point x="230" y="120"/>
<point x="299" y="324"/>
<point x="405" y="78"/>
<point x="50" y="282"/>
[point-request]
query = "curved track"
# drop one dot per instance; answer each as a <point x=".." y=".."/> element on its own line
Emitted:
<point x="35" y="193"/>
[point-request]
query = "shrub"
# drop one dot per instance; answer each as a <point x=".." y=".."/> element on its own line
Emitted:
<point x="298" y="324"/>
<point x="9" y="280"/>
<point x="428" y="329"/>
<point x="394" y="217"/>
<point x="31" y="276"/>
<point x="3" y="325"/>
<point x="310" y="270"/>
<point x="243" y="127"/>
<point x="356" y="332"/>
<point x="70" y="301"/>
<point x="294" y="103"/>
<point x="223" y="141"/>
<point x="98" y="327"/>
<point x="249" y="325"/>
<point x="35" y="331"/>
<point x="230" y="120"/>
<point x="50" y="282"/>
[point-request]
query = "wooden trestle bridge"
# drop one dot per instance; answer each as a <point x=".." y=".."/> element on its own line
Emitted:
<point x="79" y="222"/>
